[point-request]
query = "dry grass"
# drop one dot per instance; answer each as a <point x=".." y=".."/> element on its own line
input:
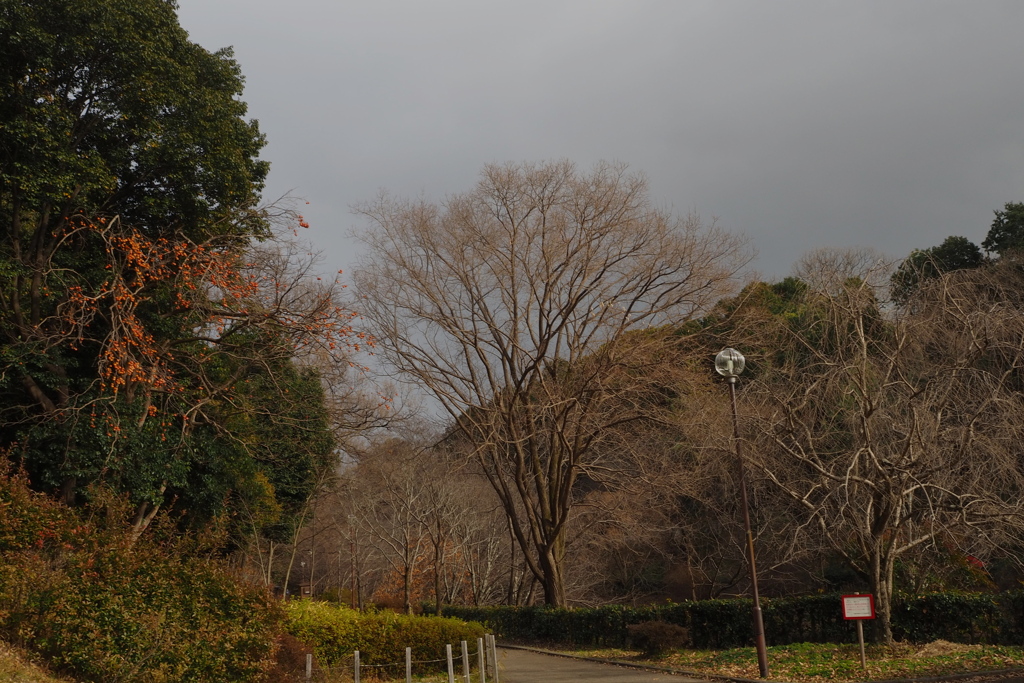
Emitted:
<point x="16" y="666"/>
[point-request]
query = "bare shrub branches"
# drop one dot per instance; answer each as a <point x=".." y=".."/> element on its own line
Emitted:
<point x="895" y="428"/>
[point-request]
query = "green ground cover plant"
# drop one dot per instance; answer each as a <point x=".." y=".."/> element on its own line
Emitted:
<point x="76" y="589"/>
<point x="816" y="662"/>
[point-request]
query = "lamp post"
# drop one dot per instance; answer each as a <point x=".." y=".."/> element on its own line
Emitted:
<point x="730" y="363"/>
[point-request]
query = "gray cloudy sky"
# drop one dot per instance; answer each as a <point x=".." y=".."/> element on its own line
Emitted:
<point x="801" y="124"/>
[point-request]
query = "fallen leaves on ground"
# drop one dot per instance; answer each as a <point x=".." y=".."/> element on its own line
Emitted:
<point x="814" y="663"/>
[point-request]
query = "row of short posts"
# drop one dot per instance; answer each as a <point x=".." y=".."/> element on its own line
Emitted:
<point x="486" y="653"/>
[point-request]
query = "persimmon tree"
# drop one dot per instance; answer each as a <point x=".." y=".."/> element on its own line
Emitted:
<point x="148" y="338"/>
<point x="512" y="304"/>
<point x="194" y="377"/>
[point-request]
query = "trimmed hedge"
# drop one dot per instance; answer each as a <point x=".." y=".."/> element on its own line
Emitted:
<point x="719" y="624"/>
<point x="381" y="637"/>
<point x="961" y="618"/>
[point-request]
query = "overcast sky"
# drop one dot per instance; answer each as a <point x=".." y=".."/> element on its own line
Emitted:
<point x="800" y="124"/>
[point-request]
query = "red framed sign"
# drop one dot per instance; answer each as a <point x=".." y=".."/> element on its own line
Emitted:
<point x="858" y="606"/>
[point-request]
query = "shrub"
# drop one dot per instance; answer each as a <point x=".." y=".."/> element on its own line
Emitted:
<point x="655" y="638"/>
<point x="381" y="637"/>
<point x="132" y="613"/>
<point x="104" y="609"/>
<point x="290" y="660"/>
<point x="31" y="521"/>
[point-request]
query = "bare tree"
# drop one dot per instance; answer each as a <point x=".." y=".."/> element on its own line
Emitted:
<point x="894" y="428"/>
<point x="513" y="306"/>
<point x="831" y="270"/>
<point x="393" y="514"/>
<point x="680" y="509"/>
<point x="484" y="550"/>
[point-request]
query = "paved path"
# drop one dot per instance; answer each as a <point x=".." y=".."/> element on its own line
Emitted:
<point x="520" y="666"/>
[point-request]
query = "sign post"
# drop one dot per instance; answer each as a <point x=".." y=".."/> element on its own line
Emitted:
<point x="859" y="607"/>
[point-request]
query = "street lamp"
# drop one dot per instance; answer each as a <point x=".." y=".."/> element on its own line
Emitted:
<point x="730" y="363"/>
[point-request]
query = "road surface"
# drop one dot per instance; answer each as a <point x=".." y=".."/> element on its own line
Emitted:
<point x="521" y="666"/>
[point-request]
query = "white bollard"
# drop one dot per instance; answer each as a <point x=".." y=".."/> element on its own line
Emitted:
<point x="357" y="666"/>
<point x="408" y="665"/>
<point x="487" y="655"/>
<point x="451" y="665"/>
<point x="465" y="662"/>
<point x="494" y="657"/>
<point x="481" y="661"/>
<point x="309" y="667"/>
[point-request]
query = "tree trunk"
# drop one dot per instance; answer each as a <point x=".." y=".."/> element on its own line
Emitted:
<point x="881" y="586"/>
<point x="269" y="577"/>
<point x="144" y="515"/>
<point x="552" y="578"/>
<point x="512" y="596"/>
<point x="407" y="580"/>
<point x="437" y="577"/>
<point x="357" y="577"/>
<point x="67" y="490"/>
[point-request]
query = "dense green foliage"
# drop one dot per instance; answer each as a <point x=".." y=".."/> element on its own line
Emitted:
<point x="719" y="624"/>
<point x="139" y="346"/>
<point x="1005" y="236"/>
<point x="102" y="608"/>
<point x="955" y="253"/>
<point x="270" y="441"/>
<point x="1007" y="231"/>
<point x="381" y="637"/>
<point x="108" y="109"/>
